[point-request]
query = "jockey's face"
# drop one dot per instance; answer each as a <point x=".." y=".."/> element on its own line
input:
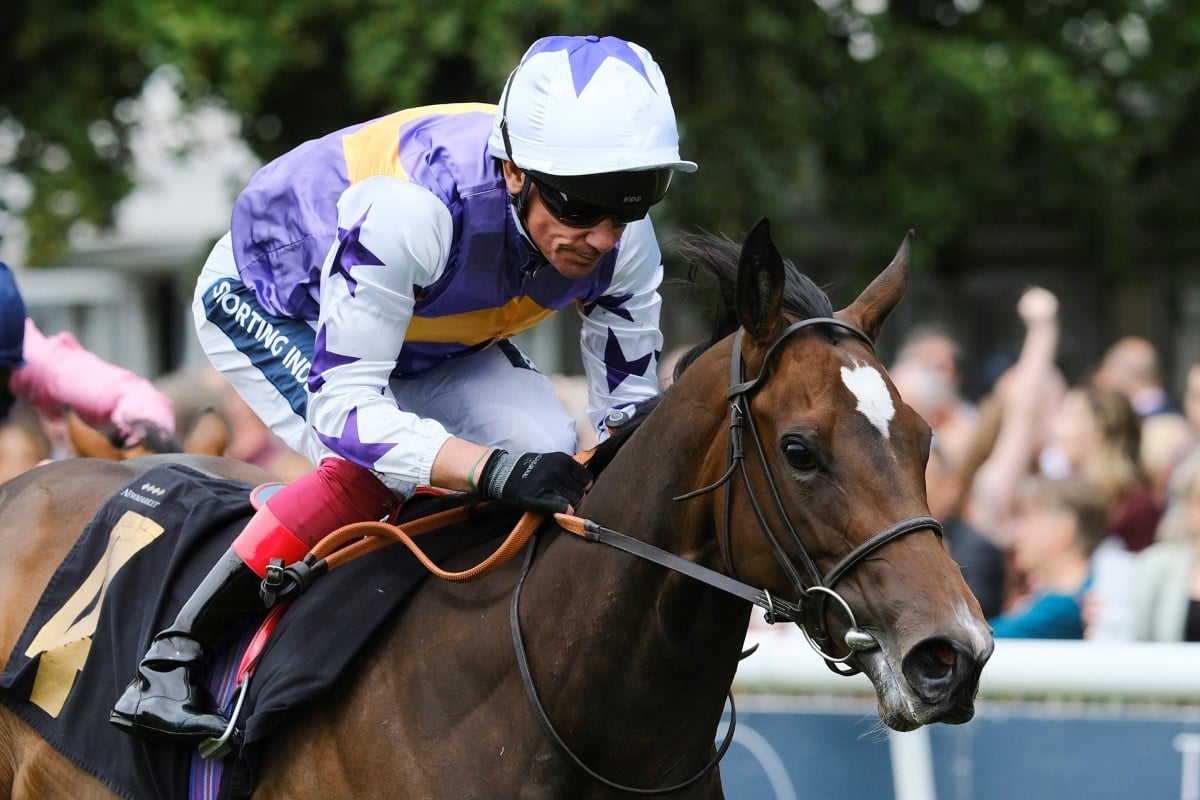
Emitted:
<point x="573" y="251"/>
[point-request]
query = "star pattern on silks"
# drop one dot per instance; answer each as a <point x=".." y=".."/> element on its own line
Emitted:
<point x="324" y="360"/>
<point x="351" y="252"/>
<point x="351" y="446"/>
<point x="613" y="305"/>
<point x="585" y="54"/>
<point x="619" y="367"/>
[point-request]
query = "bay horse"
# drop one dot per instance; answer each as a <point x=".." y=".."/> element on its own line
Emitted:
<point x="209" y="435"/>
<point x="781" y="458"/>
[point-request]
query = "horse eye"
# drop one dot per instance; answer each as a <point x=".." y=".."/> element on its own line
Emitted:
<point x="799" y="455"/>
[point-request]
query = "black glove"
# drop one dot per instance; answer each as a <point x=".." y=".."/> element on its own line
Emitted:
<point x="536" y="481"/>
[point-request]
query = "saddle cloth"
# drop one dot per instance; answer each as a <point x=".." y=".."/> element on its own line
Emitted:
<point x="135" y="564"/>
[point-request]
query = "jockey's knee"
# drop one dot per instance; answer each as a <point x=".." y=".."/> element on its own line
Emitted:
<point x="519" y="432"/>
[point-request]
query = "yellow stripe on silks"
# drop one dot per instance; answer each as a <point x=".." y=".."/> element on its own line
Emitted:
<point x="374" y="149"/>
<point x="472" y="327"/>
<point x="66" y="639"/>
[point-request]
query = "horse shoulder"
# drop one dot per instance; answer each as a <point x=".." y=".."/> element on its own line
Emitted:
<point x="438" y="684"/>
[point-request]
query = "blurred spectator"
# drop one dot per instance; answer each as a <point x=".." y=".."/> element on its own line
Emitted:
<point x="1012" y="430"/>
<point x="1167" y="439"/>
<point x="1131" y="366"/>
<point x="23" y="443"/>
<point x="1167" y="591"/>
<point x="1097" y="434"/>
<point x="982" y="563"/>
<point x="934" y="347"/>
<point x="53" y="372"/>
<point x="1058" y="524"/>
<point x="1191" y="397"/>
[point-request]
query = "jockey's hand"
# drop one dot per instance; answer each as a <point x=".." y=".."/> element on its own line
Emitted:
<point x="552" y="482"/>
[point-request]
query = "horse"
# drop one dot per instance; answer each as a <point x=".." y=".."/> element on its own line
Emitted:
<point x="209" y="435"/>
<point x="781" y="465"/>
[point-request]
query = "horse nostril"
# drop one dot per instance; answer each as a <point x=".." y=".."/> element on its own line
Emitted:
<point x="930" y="668"/>
<point x="946" y="653"/>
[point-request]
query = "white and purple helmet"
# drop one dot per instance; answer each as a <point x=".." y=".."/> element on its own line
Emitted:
<point x="587" y="106"/>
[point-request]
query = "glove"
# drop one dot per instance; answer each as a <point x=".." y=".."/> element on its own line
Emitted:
<point x="552" y="482"/>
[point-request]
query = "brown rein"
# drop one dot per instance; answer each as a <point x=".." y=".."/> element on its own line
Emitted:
<point x="340" y="546"/>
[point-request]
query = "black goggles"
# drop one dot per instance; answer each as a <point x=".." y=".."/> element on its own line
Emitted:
<point x="581" y="201"/>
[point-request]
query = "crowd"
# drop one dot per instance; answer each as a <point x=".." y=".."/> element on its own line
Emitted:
<point x="1073" y="507"/>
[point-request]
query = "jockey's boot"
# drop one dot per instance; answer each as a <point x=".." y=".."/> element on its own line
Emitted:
<point x="169" y="698"/>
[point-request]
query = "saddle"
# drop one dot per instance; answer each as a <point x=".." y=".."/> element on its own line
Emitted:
<point x="135" y="564"/>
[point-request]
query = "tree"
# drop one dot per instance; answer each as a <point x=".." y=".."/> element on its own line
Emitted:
<point x="943" y="115"/>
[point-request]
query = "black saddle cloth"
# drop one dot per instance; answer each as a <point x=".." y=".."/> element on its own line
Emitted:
<point x="313" y="646"/>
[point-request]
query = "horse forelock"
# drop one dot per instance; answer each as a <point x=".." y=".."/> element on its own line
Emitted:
<point x="718" y="257"/>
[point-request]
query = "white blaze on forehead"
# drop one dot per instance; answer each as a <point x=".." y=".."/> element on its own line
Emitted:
<point x="874" y="399"/>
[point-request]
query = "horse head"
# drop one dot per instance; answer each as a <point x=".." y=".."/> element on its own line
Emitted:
<point x="824" y="501"/>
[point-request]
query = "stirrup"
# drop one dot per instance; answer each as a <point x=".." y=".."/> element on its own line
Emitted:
<point x="221" y="746"/>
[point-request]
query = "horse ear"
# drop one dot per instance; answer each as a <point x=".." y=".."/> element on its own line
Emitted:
<point x="87" y="442"/>
<point x="760" y="286"/>
<point x="868" y="312"/>
<point x="209" y="436"/>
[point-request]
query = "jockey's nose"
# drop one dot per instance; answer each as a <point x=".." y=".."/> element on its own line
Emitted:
<point x="604" y="235"/>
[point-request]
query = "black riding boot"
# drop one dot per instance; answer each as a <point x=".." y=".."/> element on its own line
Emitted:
<point x="169" y="698"/>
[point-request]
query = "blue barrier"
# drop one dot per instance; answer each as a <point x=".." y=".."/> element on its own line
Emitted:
<point x="787" y="748"/>
<point x="1055" y="721"/>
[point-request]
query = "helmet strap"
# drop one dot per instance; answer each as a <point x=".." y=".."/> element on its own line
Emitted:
<point x="520" y="201"/>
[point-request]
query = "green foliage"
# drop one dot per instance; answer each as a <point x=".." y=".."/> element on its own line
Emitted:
<point x="941" y="115"/>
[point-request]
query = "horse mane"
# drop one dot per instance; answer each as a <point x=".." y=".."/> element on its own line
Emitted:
<point x="718" y="257"/>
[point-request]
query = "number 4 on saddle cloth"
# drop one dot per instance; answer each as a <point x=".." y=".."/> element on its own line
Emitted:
<point x="131" y="570"/>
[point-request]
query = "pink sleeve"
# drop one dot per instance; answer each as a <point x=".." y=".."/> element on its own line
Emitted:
<point x="59" y="372"/>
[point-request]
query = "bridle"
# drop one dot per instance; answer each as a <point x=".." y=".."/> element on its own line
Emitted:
<point x="813" y="590"/>
<point x="816" y="591"/>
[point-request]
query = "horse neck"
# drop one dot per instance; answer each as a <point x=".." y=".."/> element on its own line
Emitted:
<point x="679" y="637"/>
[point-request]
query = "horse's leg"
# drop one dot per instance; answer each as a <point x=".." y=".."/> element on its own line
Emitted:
<point x="30" y="769"/>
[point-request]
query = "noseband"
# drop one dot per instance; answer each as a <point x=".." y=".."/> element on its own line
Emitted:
<point x="814" y="591"/>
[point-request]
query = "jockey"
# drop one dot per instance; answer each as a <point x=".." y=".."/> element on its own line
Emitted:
<point x="51" y="373"/>
<point x="363" y="301"/>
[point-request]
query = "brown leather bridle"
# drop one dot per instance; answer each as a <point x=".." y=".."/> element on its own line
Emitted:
<point x="813" y="590"/>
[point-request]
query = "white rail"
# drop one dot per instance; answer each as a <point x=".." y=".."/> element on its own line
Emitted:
<point x="1134" y="671"/>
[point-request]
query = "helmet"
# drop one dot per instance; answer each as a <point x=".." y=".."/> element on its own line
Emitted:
<point x="12" y="320"/>
<point x="585" y="105"/>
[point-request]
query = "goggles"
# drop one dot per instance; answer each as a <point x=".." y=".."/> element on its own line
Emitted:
<point x="581" y="201"/>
